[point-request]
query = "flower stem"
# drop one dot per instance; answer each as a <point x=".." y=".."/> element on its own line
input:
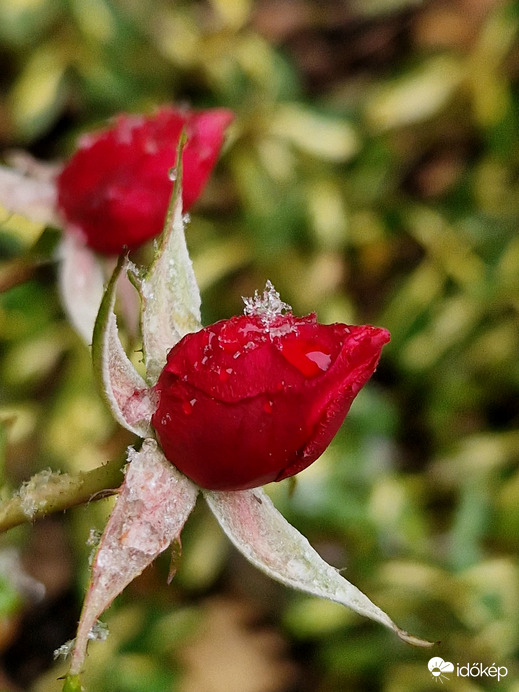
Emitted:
<point x="53" y="492"/>
<point x="73" y="684"/>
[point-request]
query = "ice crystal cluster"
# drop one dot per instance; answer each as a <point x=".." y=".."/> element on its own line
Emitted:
<point x="267" y="306"/>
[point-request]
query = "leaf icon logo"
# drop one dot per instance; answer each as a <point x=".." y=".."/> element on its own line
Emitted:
<point x="439" y="667"/>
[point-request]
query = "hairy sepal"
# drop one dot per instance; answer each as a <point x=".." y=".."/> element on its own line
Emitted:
<point x="266" y="539"/>
<point x="123" y="388"/>
<point x="169" y="291"/>
<point x="153" y="504"/>
<point x="81" y="284"/>
<point x="29" y="196"/>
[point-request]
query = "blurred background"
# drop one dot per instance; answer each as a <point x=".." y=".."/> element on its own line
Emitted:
<point x="372" y="174"/>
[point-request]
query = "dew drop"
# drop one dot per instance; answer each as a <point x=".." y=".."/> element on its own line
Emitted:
<point x="172" y="173"/>
<point x="320" y="358"/>
<point x="187" y="407"/>
<point x="308" y="357"/>
<point x="267" y="407"/>
<point x="229" y="345"/>
<point x="225" y="374"/>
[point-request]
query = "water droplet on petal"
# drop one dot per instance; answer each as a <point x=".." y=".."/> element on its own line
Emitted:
<point x="187" y="406"/>
<point x="307" y="356"/>
<point x="320" y="358"/>
<point x="267" y="407"/>
<point x="225" y="374"/>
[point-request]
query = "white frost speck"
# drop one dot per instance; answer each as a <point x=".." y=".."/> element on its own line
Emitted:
<point x="31" y="502"/>
<point x="64" y="650"/>
<point x="132" y="268"/>
<point x="98" y="633"/>
<point x="268" y="307"/>
<point x="93" y="540"/>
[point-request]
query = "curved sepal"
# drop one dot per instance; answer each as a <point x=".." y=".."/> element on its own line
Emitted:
<point x="169" y="291"/>
<point x="153" y="504"/>
<point x="123" y="388"/>
<point x="29" y="196"/>
<point x="264" y="536"/>
<point x="81" y="284"/>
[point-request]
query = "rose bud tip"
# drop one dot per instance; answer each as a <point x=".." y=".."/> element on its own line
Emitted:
<point x="258" y="397"/>
<point x="115" y="189"/>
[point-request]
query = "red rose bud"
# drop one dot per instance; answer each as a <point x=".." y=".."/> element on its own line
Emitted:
<point x="114" y="191"/>
<point x="258" y="398"/>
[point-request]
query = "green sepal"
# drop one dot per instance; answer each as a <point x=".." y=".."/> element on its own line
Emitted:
<point x="123" y="389"/>
<point x="169" y="292"/>
<point x="73" y="684"/>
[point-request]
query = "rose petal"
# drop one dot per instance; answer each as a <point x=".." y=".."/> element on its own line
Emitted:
<point x="263" y="535"/>
<point x="153" y="505"/>
<point x="242" y="403"/>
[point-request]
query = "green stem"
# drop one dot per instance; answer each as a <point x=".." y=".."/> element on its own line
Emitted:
<point x="73" y="684"/>
<point x="54" y="492"/>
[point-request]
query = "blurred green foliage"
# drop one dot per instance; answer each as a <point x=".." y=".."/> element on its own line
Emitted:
<point x="372" y="175"/>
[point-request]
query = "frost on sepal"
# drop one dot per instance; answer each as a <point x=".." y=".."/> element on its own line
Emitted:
<point x="169" y="291"/>
<point x="32" y="196"/>
<point x="153" y="504"/>
<point x="263" y="535"/>
<point x="123" y="388"/>
<point x="98" y="633"/>
<point x="81" y="284"/>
